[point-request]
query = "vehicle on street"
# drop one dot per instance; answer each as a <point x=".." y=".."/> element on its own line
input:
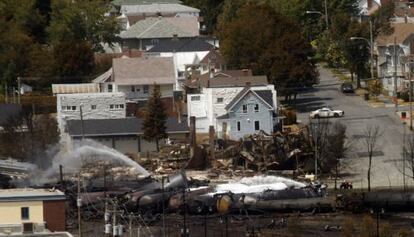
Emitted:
<point x="326" y="113"/>
<point x="347" y="88"/>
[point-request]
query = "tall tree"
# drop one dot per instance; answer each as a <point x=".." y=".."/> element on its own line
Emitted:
<point x="270" y="45"/>
<point x="78" y="20"/>
<point x="370" y="140"/>
<point x="155" y="118"/>
<point x="210" y="10"/>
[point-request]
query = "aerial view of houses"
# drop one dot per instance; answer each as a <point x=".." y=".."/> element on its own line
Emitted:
<point x="206" y="118"/>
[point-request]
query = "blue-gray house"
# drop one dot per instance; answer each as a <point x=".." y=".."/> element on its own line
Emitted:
<point x="250" y="112"/>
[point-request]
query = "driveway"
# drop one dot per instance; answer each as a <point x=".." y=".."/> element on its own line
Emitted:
<point x="386" y="166"/>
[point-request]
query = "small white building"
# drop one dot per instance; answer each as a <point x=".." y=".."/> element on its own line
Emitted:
<point x="89" y="106"/>
<point x="213" y="105"/>
<point x="136" y="77"/>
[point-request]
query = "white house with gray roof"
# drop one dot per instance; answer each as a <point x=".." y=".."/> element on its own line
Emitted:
<point x="136" y="77"/>
<point x="245" y="106"/>
<point x="148" y="32"/>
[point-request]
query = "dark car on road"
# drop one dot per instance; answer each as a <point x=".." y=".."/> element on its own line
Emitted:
<point x="347" y="88"/>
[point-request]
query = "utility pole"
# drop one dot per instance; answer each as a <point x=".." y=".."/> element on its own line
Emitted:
<point x="184" y="232"/>
<point x="410" y="95"/>
<point x="79" y="204"/>
<point x="6" y="93"/>
<point x="114" y="223"/>
<point x="18" y="89"/>
<point x="371" y="39"/>
<point x="404" y="154"/>
<point x="81" y="118"/>
<point x="163" y="178"/>
<point x="107" y="217"/>
<point x="130" y="224"/>
<point x="395" y="75"/>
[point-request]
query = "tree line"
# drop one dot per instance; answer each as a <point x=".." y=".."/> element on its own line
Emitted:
<point x="52" y="39"/>
<point x="279" y="39"/>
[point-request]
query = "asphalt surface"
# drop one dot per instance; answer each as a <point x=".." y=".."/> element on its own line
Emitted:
<point x="387" y="165"/>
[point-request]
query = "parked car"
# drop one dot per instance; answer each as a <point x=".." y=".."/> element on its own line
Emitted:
<point x="347" y="87"/>
<point x="326" y="113"/>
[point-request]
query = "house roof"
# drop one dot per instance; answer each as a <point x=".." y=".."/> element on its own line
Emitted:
<point x="141" y="2"/>
<point x="155" y="8"/>
<point x="103" y="77"/>
<point x="30" y="194"/>
<point x="119" y="127"/>
<point x="228" y="78"/>
<point x="162" y="27"/>
<point x="214" y="57"/>
<point x="401" y="32"/>
<point x="75" y="88"/>
<point x="144" y="71"/>
<point x="182" y="45"/>
<point x="9" y="111"/>
<point x="265" y="95"/>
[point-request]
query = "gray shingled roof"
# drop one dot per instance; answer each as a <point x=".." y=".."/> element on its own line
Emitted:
<point x="140" y="2"/>
<point x="265" y="95"/>
<point x="155" y="8"/>
<point x="143" y="71"/>
<point x="181" y="45"/>
<point x="9" y="111"/>
<point x="118" y="127"/>
<point x="162" y="27"/>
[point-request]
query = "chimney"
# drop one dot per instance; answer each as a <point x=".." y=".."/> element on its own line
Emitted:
<point x="248" y="84"/>
<point x="369" y="4"/>
<point x="211" y="74"/>
<point x="175" y="37"/>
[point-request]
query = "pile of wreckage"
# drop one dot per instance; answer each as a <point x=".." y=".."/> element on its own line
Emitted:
<point x="290" y="150"/>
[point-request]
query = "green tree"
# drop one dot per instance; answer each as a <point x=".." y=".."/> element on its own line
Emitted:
<point x="16" y="20"/>
<point x="270" y="44"/>
<point x="73" y="59"/>
<point x="78" y="20"/>
<point x="210" y="10"/>
<point x="155" y="118"/>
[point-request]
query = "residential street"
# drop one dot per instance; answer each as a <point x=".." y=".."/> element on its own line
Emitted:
<point x="358" y="115"/>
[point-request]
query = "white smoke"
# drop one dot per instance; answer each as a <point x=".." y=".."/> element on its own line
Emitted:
<point x="87" y="152"/>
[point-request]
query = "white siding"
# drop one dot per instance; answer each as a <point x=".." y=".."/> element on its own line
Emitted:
<point x="94" y="106"/>
<point x="208" y="108"/>
<point x="138" y="93"/>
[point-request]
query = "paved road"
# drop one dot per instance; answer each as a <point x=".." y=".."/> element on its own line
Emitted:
<point x="386" y="168"/>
